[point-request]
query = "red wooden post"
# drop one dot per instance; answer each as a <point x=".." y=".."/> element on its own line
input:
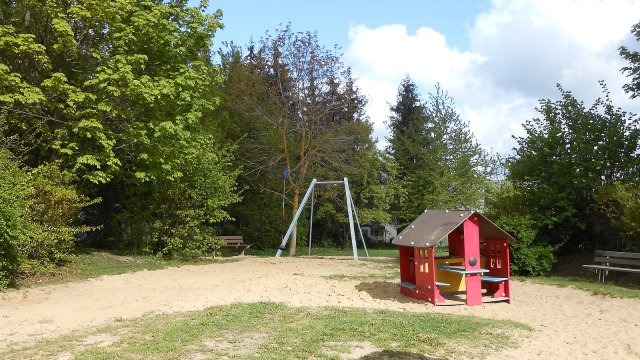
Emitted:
<point x="497" y="254"/>
<point x="425" y="276"/>
<point x="437" y="298"/>
<point x="472" y="261"/>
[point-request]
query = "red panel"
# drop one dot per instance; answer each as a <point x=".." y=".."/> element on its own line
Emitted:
<point x="496" y="253"/>
<point x="456" y="243"/>
<point x="474" y="289"/>
<point x="406" y="264"/>
<point x="437" y="298"/>
<point x="471" y="244"/>
<point x="497" y="290"/>
<point x="472" y="260"/>
<point x="425" y="278"/>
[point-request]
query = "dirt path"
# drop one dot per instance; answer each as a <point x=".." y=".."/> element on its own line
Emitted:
<point x="568" y="323"/>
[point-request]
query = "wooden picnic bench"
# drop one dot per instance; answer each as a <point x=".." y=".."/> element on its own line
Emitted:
<point x="235" y="241"/>
<point x="621" y="261"/>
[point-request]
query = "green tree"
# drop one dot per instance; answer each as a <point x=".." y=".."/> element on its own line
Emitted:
<point x="530" y="254"/>
<point x="119" y="92"/>
<point x="298" y="109"/>
<point x="440" y="165"/>
<point x="633" y="69"/>
<point x="620" y="201"/>
<point x="14" y="216"/>
<point x="565" y="159"/>
<point x="105" y="84"/>
<point x="39" y="210"/>
<point x="55" y="208"/>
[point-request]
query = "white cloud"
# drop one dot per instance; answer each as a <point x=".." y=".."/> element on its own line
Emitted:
<point x="519" y="51"/>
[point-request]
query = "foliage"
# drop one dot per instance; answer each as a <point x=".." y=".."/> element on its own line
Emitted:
<point x="15" y="194"/>
<point x="105" y="85"/>
<point x="633" y="69"/>
<point x="177" y="217"/>
<point x="563" y="161"/>
<point x="119" y="93"/>
<point x="54" y="218"/>
<point x="621" y="203"/>
<point x="291" y="104"/>
<point x="38" y="218"/>
<point x="440" y="165"/>
<point x="529" y="254"/>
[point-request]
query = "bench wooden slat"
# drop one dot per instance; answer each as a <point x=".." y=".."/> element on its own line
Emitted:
<point x="235" y="240"/>
<point x="608" y="258"/>
<point x="618" y="254"/>
<point x="620" y="261"/>
<point x="612" y="268"/>
<point x="230" y="237"/>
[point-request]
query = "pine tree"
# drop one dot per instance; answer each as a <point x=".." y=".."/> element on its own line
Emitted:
<point x="440" y="165"/>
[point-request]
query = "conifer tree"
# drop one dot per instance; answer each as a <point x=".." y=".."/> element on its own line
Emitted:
<point x="440" y="164"/>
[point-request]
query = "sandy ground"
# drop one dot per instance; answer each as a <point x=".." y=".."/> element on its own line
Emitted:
<point x="568" y="323"/>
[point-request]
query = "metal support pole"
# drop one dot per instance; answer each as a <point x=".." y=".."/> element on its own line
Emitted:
<point x="359" y="228"/>
<point x="294" y="222"/>
<point x="353" y="233"/>
<point x="313" y="192"/>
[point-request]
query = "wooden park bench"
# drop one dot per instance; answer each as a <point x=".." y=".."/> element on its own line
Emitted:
<point x="235" y="241"/>
<point x="621" y="261"/>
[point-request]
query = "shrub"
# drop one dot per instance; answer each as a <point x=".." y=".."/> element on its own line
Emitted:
<point x="531" y="254"/>
<point x="14" y="201"/>
<point x="621" y="204"/>
<point x="53" y="209"/>
<point x="176" y="216"/>
<point x="38" y="215"/>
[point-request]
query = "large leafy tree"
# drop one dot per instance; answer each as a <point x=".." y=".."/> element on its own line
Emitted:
<point x="300" y="111"/>
<point x="440" y="165"/>
<point x="118" y="91"/>
<point x="566" y="158"/>
<point x="105" y="85"/>
<point x="633" y="69"/>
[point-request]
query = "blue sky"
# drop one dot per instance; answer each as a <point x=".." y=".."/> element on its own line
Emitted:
<point x="496" y="58"/>
<point x="332" y="19"/>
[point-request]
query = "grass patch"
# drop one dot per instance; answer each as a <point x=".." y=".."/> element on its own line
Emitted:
<point x="302" y="251"/>
<point x="97" y="263"/>
<point x="389" y="251"/>
<point x="587" y="285"/>
<point x="275" y="331"/>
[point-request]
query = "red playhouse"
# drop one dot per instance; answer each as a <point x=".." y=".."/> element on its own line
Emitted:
<point x="478" y="257"/>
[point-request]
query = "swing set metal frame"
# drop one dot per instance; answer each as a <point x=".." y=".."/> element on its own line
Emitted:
<point x="351" y="211"/>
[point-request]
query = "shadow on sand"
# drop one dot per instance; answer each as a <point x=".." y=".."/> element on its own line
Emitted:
<point x="395" y="355"/>
<point x="385" y="290"/>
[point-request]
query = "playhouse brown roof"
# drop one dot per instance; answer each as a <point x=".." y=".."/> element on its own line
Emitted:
<point x="434" y="225"/>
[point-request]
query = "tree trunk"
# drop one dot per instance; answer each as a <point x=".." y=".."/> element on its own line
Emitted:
<point x="294" y="235"/>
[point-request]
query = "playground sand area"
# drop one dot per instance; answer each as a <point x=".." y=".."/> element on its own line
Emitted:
<point x="567" y="323"/>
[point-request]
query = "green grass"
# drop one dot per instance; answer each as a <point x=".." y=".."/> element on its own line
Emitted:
<point x="91" y="264"/>
<point x="304" y="251"/>
<point x="275" y="331"/>
<point x="591" y="286"/>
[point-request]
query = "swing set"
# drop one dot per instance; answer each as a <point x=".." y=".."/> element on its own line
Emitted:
<point x="351" y="212"/>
